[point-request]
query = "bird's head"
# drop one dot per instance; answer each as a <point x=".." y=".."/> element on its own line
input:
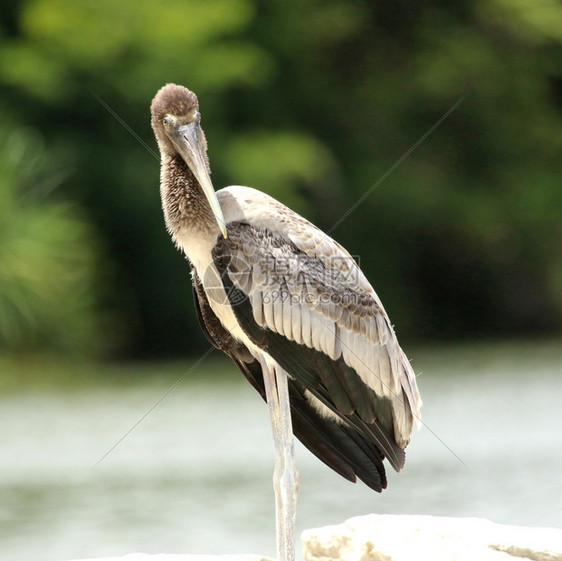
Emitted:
<point x="176" y="122"/>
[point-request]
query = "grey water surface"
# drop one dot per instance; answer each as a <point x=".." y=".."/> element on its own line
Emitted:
<point x="195" y="475"/>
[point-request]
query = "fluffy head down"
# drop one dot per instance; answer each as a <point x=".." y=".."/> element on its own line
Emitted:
<point x="171" y="99"/>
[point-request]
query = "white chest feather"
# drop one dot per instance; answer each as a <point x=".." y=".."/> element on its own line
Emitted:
<point x="198" y="247"/>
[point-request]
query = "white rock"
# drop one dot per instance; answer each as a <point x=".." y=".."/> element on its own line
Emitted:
<point x="430" y="538"/>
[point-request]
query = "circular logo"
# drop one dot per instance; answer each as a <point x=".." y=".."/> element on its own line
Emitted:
<point x="232" y="286"/>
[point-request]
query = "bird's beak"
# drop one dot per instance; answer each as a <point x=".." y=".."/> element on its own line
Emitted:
<point x="186" y="139"/>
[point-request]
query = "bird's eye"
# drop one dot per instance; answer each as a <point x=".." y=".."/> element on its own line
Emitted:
<point x="166" y="120"/>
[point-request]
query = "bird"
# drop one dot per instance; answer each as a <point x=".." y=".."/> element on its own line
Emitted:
<point x="293" y="310"/>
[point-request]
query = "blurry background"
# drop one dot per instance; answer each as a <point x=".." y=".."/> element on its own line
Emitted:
<point x="312" y="102"/>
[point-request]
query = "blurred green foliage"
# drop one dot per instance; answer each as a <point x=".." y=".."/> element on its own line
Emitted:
<point x="310" y="101"/>
<point x="47" y="257"/>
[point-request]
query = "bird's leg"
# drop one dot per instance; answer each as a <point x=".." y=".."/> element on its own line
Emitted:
<point x="285" y="473"/>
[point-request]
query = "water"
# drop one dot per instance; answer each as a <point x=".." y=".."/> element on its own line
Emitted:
<point x="195" y="475"/>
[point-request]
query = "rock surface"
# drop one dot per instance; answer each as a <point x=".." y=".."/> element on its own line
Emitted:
<point x="430" y="538"/>
<point x="406" y="538"/>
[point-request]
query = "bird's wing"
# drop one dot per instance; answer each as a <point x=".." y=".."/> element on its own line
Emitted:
<point x="340" y="447"/>
<point x="313" y="311"/>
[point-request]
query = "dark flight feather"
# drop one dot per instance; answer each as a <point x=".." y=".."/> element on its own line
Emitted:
<point x="344" y="449"/>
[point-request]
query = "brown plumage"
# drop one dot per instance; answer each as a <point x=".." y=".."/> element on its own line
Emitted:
<point x="175" y="100"/>
<point x="183" y="200"/>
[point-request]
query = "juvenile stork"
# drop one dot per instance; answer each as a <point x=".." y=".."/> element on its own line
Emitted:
<point x="295" y="313"/>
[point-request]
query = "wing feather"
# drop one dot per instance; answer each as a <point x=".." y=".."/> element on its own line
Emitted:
<point x="257" y="307"/>
<point x="333" y="310"/>
<point x="268" y="312"/>
<point x="317" y="329"/>
<point x="305" y="322"/>
<point x="288" y="317"/>
<point x="278" y="310"/>
<point x="343" y="449"/>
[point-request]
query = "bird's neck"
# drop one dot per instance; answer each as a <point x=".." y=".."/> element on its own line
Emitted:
<point x="186" y="209"/>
